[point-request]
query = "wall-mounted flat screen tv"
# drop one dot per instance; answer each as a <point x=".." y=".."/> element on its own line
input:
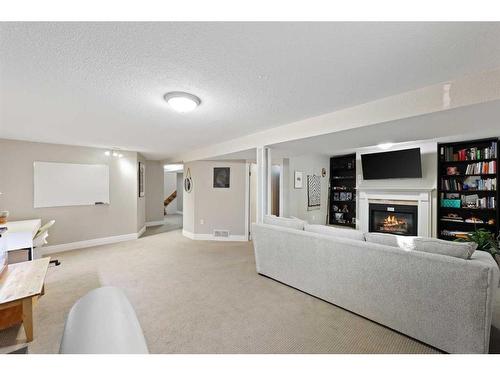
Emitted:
<point x="392" y="164"/>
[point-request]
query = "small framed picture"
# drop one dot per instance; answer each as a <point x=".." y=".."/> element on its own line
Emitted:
<point x="299" y="181"/>
<point x="142" y="171"/>
<point x="221" y="177"/>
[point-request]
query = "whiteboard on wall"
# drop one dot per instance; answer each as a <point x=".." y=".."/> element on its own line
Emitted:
<point x="65" y="184"/>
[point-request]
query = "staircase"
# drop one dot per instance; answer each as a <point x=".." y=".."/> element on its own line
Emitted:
<point x="169" y="199"/>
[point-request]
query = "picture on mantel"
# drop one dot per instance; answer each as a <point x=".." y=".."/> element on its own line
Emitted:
<point x="313" y="192"/>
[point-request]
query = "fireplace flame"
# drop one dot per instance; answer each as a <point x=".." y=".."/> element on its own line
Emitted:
<point x="393" y="220"/>
<point x="394" y="224"/>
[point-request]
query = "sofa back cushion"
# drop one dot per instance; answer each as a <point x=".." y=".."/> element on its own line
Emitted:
<point x="462" y="250"/>
<point x="284" y="222"/>
<point x="403" y="242"/>
<point x="353" y="234"/>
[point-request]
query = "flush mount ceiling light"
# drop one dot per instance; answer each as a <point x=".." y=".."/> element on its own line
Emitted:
<point x="182" y="101"/>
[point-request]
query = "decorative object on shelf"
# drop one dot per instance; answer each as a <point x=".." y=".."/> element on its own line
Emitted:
<point x="313" y="192"/>
<point x="298" y="184"/>
<point x="3" y="216"/>
<point x="222" y="177"/>
<point x="323" y="172"/>
<point x="188" y="182"/>
<point x="141" y="178"/>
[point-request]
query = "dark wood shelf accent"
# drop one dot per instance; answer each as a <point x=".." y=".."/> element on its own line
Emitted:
<point x="466" y="161"/>
<point x="468" y="209"/>
<point x="469" y="191"/>
<point x="470" y="175"/>
<point x="466" y="223"/>
<point x="342" y="174"/>
<point x="464" y="212"/>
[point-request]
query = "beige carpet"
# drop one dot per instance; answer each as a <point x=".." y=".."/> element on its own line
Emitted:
<point x="171" y="222"/>
<point x="204" y="297"/>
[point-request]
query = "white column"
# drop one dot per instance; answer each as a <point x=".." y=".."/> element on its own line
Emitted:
<point x="269" y="171"/>
<point x="284" y="187"/>
<point x="262" y="182"/>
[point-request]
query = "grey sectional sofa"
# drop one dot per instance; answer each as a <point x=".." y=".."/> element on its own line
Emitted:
<point x="440" y="300"/>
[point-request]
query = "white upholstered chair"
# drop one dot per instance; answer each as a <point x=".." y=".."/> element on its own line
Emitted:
<point x="41" y="238"/>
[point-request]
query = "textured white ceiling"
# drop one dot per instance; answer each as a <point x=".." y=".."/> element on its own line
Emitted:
<point x="101" y="84"/>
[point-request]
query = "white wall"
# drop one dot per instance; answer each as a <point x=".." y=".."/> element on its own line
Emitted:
<point x="75" y="223"/>
<point x="207" y="208"/>
<point x="170" y="185"/>
<point x="429" y="174"/>
<point x="141" y="201"/>
<point x="154" y="191"/>
<point x="297" y="198"/>
<point x="429" y="168"/>
<point x="180" y="192"/>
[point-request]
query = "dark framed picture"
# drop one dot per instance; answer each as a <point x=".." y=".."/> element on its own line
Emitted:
<point x="141" y="171"/>
<point x="221" y="177"/>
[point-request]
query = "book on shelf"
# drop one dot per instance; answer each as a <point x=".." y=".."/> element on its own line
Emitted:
<point x="448" y="153"/>
<point x="468" y="184"/>
<point x="482" y="168"/>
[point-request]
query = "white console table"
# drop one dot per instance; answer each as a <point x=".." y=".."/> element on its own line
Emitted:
<point x="20" y="234"/>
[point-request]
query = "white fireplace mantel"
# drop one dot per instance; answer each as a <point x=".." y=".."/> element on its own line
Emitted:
<point x="421" y="197"/>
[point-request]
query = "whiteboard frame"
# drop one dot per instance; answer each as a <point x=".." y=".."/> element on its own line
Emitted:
<point x="100" y="195"/>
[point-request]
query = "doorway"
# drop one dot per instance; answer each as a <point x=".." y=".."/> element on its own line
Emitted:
<point x="275" y="189"/>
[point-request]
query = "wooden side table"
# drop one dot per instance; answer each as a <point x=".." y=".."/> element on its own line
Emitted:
<point x="20" y="286"/>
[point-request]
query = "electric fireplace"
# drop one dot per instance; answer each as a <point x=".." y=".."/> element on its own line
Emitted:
<point x="393" y="219"/>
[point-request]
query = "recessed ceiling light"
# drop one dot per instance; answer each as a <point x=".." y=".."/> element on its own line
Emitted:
<point x="182" y="101"/>
<point x="385" y="146"/>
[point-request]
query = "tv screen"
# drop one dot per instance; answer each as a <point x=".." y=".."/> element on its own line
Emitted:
<point x="392" y="164"/>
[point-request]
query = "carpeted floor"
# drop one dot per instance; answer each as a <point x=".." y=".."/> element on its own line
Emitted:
<point x="171" y="222"/>
<point x="204" y="297"/>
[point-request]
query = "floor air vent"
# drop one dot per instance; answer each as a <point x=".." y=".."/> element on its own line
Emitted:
<point x="221" y="233"/>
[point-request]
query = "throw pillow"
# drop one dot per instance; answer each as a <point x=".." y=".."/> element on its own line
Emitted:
<point x="462" y="250"/>
<point x="403" y="242"/>
<point x="353" y="234"/>
<point x="284" y="222"/>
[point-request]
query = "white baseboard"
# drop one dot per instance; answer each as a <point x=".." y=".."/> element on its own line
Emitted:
<point x="141" y="231"/>
<point x="155" y="223"/>
<point x="87" y="243"/>
<point x="211" y="237"/>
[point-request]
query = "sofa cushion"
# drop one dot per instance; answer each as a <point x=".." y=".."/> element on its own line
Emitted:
<point x="353" y="234"/>
<point x="284" y="222"/>
<point x="462" y="250"/>
<point x="403" y="242"/>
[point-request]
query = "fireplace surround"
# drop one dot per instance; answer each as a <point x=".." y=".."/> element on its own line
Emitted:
<point x="393" y="219"/>
<point x="421" y="197"/>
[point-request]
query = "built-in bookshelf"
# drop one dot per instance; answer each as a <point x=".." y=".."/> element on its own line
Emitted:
<point x="342" y="194"/>
<point x="467" y="187"/>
